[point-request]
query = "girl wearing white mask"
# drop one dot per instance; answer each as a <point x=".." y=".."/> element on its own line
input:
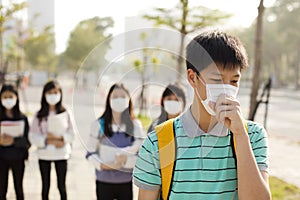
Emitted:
<point x="14" y="143"/>
<point x="172" y="104"/>
<point x="52" y="133"/>
<point x="114" y="140"/>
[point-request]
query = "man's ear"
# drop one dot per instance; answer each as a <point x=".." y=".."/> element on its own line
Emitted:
<point x="191" y="76"/>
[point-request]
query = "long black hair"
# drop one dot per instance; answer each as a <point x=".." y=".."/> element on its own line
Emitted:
<point x="126" y="117"/>
<point x="16" y="109"/>
<point x="44" y="110"/>
<point x="171" y="89"/>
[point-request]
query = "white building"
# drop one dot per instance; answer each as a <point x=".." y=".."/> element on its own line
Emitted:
<point x="40" y="14"/>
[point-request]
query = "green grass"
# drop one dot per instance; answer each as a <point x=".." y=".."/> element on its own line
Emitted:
<point x="146" y="121"/>
<point x="282" y="190"/>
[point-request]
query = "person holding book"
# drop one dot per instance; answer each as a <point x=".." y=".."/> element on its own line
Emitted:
<point x="52" y="133"/>
<point x="14" y="143"/>
<point x="114" y="140"/>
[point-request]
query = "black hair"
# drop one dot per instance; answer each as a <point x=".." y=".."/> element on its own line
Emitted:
<point x="171" y="89"/>
<point x="44" y="110"/>
<point x="16" y="109"/>
<point x="218" y="47"/>
<point x="126" y="117"/>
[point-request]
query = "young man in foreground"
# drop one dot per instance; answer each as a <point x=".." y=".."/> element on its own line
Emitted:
<point x="218" y="154"/>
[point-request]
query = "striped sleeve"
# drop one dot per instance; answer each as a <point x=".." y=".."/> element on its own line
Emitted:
<point x="146" y="173"/>
<point x="259" y="142"/>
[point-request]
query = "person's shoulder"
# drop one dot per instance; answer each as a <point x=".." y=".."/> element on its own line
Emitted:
<point x="152" y="137"/>
<point x="95" y="122"/>
<point x="255" y="127"/>
<point x="24" y="117"/>
<point x="136" y="122"/>
<point x="65" y="111"/>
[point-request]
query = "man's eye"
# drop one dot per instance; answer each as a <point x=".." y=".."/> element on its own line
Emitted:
<point x="216" y="80"/>
<point x="234" y="81"/>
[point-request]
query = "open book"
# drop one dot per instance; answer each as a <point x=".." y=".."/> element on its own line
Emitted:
<point x="12" y="128"/>
<point x="107" y="154"/>
<point x="58" y="124"/>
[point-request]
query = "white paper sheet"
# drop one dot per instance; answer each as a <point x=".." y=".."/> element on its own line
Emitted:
<point x="107" y="154"/>
<point x="12" y="128"/>
<point x="58" y="124"/>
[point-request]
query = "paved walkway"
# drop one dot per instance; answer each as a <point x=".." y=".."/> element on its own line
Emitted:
<point x="284" y="159"/>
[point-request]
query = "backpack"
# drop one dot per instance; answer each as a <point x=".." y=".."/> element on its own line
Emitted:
<point x="167" y="153"/>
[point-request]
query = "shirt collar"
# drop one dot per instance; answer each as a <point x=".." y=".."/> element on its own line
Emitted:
<point x="192" y="129"/>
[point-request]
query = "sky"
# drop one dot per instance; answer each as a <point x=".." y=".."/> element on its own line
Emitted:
<point x="68" y="13"/>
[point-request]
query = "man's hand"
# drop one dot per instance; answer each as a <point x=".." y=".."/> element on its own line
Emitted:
<point x="6" y="140"/>
<point x="228" y="112"/>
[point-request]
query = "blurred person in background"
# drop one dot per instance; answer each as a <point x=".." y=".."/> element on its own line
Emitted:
<point x="14" y="143"/>
<point x="172" y="104"/>
<point x="114" y="141"/>
<point x="52" y="133"/>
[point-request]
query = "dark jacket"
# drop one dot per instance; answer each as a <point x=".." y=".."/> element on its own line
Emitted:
<point x="19" y="149"/>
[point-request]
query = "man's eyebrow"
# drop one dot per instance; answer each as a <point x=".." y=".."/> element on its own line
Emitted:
<point x="220" y="74"/>
<point x="216" y="73"/>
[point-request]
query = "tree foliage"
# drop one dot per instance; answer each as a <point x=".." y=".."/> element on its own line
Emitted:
<point x="7" y="13"/>
<point x="186" y="19"/>
<point x="39" y="48"/>
<point x="84" y="38"/>
<point x="281" y="43"/>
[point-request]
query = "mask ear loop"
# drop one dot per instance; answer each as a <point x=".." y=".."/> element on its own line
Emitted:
<point x="205" y="102"/>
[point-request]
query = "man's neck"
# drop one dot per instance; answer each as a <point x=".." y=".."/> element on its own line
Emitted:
<point x="205" y="121"/>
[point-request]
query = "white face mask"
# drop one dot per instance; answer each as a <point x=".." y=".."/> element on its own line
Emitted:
<point x="172" y="107"/>
<point x="119" y="104"/>
<point x="213" y="91"/>
<point x="53" y="99"/>
<point x="9" y="103"/>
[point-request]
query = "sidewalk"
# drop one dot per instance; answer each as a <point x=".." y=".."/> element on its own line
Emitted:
<point x="284" y="159"/>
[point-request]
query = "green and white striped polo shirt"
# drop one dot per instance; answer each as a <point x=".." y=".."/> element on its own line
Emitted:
<point x="204" y="166"/>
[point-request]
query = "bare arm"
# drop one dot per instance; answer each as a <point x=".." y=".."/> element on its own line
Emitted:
<point x="148" y="194"/>
<point x="252" y="183"/>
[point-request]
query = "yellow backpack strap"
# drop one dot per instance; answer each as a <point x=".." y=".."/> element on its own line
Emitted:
<point x="166" y="149"/>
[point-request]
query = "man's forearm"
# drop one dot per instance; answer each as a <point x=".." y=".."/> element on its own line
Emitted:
<point x="251" y="183"/>
<point x="148" y="194"/>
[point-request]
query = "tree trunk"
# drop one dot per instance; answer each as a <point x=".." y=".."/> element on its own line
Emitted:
<point x="183" y="32"/>
<point x="258" y="60"/>
<point x="1" y="60"/>
<point x="142" y="96"/>
<point x="297" y="70"/>
<point x="142" y="99"/>
<point x="180" y="59"/>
